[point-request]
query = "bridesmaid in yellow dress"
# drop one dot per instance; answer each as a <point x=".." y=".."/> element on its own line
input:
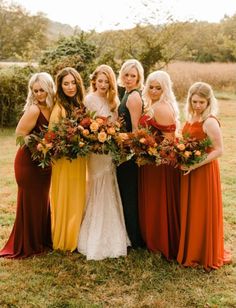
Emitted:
<point x="68" y="178"/>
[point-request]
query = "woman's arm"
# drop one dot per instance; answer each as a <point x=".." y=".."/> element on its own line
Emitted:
<point x="212" y="129"/>
<point x="27" y="121"/>
<point x="134" y="105"/>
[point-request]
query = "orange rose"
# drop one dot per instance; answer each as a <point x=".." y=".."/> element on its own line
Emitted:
<point x="187" y="154"/>
<point x="99" y="121"/>
<point x="102" y="136"/>
<point x="85" y="132"/>
<point x="94" y="126"/>
<point x="197" y="153"/>
<point x="111" y="131"/>
<point x="123" y="136"/>
<point x="181" y="146"/>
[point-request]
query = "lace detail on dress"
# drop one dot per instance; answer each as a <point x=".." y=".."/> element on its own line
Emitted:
<point x="103" y="233"/>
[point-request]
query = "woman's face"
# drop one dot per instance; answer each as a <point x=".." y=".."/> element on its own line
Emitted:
<point x="102" y="84"/>
<point x="130" y="79"/>
<point x="199" y="104"/>
<point x="154" y="91"/>
<point x="39" y="93"/>
<point x="69" y="86"/>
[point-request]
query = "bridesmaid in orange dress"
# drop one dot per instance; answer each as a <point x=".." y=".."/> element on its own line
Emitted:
<point x="159" y="186"/>
<point x="201" y="235"/>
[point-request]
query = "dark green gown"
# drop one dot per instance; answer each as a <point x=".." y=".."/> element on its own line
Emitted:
<point x="127" y="176"/>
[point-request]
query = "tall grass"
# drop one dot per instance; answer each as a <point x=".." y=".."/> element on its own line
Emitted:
<point x="221" y="76"/>
<point x="141" y="279"/>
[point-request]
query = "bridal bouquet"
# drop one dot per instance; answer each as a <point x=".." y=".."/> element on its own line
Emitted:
<point x="103" y="136"/>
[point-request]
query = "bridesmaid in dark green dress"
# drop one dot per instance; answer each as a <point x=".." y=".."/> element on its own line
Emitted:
<point x="131" y="77"/>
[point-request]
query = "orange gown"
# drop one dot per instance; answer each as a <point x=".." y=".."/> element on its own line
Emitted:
<point x="201" y="217"/>
<point x="159" y="188"/>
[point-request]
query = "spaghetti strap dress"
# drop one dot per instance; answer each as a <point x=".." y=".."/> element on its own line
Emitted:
<point x="201" y="216"/>
<point x="31" y="233"/>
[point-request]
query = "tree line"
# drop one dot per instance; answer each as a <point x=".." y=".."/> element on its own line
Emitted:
<point x="24" y="37"/>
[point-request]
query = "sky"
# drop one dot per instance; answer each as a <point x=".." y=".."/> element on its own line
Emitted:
<point x="101" y="15"/>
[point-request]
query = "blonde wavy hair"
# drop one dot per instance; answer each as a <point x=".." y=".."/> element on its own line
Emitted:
<point x="127" y="65"/>
<point x="46" y="82"/>
<point x="167" y="95"/>
<point x="204" y="90"/>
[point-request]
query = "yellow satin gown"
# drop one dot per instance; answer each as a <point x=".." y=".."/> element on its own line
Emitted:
<point x="68" y="189"/>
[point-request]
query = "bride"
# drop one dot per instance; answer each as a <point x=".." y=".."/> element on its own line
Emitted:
<point x="103" y="233"/>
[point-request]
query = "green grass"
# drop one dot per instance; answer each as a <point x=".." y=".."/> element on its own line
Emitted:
<point x="141" y="279"/>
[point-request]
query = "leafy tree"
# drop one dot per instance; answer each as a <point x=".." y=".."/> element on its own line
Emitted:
<point x="74" y="51"/>
<point x="22" y="36"/>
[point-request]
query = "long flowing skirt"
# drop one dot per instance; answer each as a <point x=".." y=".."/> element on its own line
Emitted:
<point x="103" y="233"/>
<point x="68" y="191"/>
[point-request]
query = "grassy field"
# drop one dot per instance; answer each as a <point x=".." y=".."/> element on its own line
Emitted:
<point x="142" y="279"/>
<point x="221" y="76"/>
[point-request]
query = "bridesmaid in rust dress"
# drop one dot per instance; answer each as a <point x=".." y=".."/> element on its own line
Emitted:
<point x="31" y="233"/>
<point x="159" y="185"/>
<point x="201" y="235"/>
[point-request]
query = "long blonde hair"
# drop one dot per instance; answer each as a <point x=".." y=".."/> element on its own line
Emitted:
<point x="204" y="90"/>
<point x="167" y="95"/>
<point x="46" y="82"/>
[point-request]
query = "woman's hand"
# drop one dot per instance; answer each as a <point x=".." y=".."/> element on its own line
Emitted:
<point x="187" y="170"/>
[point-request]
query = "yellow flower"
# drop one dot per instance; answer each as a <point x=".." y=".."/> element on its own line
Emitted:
<point x="181" y="146"/>
<point x="123" y="136"/>
<point x="102" y="136"/>
<point x="94" y="126"/>
<point x="187" y="154"/>
<point x="85" y="132"/>
<point x="197" y="153"/>
<point x="152" y="151"/>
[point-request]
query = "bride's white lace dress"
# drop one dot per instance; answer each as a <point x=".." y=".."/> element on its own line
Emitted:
<point x="102" y="233"/>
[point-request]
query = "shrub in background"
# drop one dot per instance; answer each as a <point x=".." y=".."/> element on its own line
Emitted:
<point x="13" y="93"/>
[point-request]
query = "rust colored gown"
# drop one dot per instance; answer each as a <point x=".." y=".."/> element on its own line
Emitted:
<point x="31" y="233"/>
<point x="159" y="188"/>
<point x="201" y="218"/>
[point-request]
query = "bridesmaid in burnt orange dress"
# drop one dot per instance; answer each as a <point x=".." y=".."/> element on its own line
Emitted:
<point x="31" y="233"/>
<point x="201" y="236"/>
<point x="159" y="186"/>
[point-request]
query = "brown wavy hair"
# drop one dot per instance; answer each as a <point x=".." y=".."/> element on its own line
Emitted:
<point x="64" y="100"/>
